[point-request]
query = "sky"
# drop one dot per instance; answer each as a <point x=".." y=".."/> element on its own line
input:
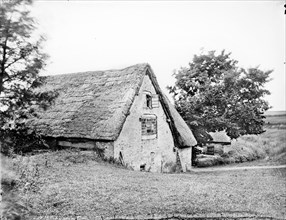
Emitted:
<point x="100" y="35"/>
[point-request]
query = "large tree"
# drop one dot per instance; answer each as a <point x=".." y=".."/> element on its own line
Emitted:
<point x="21" y="60"/>
<point x="214" y="94"/>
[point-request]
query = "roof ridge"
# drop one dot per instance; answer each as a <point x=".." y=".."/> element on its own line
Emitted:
<point x="99" y="71"/>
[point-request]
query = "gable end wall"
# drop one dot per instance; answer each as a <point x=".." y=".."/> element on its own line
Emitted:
<point x="157" y="154"/>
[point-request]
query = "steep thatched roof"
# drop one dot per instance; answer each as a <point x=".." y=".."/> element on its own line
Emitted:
<point x="185" y="136"/>
<point x="94" y="105"/>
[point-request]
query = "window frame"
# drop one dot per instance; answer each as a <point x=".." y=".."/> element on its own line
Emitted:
<point x="148" y="121"/>
<point x="148" y="102"/>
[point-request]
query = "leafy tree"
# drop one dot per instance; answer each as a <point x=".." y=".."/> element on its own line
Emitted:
<point x="214" y="94"/>
<point x="21" y="59"/>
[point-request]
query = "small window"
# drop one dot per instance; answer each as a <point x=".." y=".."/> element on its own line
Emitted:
<point x="149" y="126"/>
<point x="152" y="154"/>
<point x="142" y="167"/>
<point x="148" y="101"/>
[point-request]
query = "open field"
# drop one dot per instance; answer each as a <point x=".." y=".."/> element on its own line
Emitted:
<point x="69" y="184"/>
<point x="275" y="113"/>
<point x="276" y="122"/>
<point x="75" y="183"/>
<point x="270" y="146"/>
<point x="276" y="119"/>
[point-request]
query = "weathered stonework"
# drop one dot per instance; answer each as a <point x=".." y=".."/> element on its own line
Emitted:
<point x="106" y="147"/>
<point x="186" y="158"/>
<point x="154" y="154"/>
<point x="81" y="144"/>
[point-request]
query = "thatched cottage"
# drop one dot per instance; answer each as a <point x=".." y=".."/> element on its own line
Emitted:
<point x="123" y="113"/>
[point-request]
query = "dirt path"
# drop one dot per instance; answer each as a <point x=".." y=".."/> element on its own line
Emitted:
<point x="214" y="169"/>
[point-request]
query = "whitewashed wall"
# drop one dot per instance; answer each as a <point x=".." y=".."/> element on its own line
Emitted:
<point x="136" y="151"/>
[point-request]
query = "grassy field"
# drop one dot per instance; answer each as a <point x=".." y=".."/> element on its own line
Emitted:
<point x="275" y="113"/>
<point x="269" y="146"/>
<point x="276" y="120"/>
<point x="69" y="184"/>
<point x="72" y="183"/>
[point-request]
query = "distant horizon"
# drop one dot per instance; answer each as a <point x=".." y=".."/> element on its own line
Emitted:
<point x="276" y="112"/>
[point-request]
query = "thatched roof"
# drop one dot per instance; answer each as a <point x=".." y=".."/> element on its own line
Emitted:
<point x="185" y="137"/>
<point x="220" y="136"/>
<point x="203" y="137"/>
<point x="94" y="105"/>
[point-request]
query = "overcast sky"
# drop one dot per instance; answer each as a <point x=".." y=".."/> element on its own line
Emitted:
<point x="97" y="35"/>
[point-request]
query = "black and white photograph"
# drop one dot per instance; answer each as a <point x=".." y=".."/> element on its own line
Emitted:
<point x="143" y="110"/>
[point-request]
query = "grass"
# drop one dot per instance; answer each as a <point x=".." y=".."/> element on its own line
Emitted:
<point x="270" y="146"/>
<point x="65" y="187"/>
<point x="276" y="121"/>
<point x="76" y="183"/>
<point x="12" y="207"/>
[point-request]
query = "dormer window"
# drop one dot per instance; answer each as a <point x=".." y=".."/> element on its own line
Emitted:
<point x="148" y="101"/>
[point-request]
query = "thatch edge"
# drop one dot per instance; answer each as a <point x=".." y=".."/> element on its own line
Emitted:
<point x="179" y="141"/>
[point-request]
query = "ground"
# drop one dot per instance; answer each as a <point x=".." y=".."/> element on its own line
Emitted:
<point x="70" y="184"/>
<point x="65" y="186"/>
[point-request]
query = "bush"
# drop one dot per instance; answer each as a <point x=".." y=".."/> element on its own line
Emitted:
<point x="171" y="167"/>
<point x="20" y="141"/>
<point x="12" y="208"/>
<point x="209" y="160"/>
<point x="12" y="181"/>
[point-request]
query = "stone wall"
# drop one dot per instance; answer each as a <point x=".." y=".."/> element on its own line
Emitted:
<point x="185" y="155"/>
<point x="155" y="154"/>
<point x="106" y="147"/>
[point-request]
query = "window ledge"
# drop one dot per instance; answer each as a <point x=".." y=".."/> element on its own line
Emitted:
<point x="148" y="137"/>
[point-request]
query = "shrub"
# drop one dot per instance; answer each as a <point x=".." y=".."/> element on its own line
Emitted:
<point x="210" y="160"/>
<point x="171" y="167"/>
<point x="269" y="145"/>
<point x="12" y="206"/>
<point x="114" y="161"/>
<point x="20" y="141"/>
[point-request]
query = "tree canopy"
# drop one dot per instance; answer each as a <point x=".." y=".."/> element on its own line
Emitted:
<point x="21" y="60"/>
<point x="214" y="94"/>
